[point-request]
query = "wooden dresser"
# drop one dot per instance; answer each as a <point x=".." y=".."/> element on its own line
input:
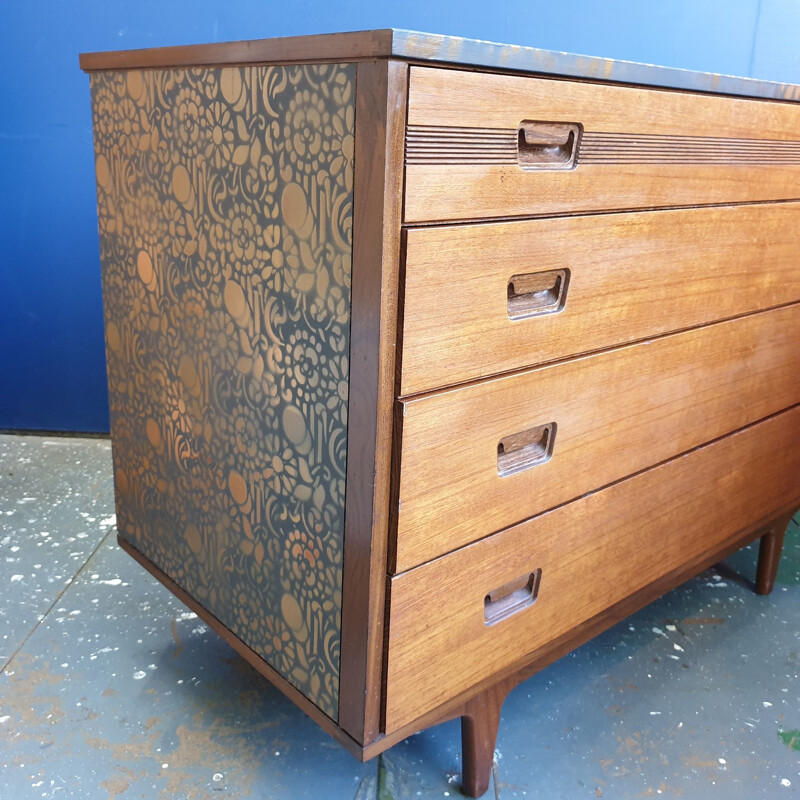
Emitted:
<point x="429" y="359"/>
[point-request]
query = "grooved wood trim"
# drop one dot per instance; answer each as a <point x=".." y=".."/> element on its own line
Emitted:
<point x="471" y="189"/>
<point x="632" y="275"/>
<point x="427" y="144"/>
<point x="247" y="653"/>
<point x="524" y="668"/>
<point x="641" y="529"/>
<point x="637" y="148"/>
<point x="380" y="123"/>
<point x="436" y="145"/>
<point x="617" y="412"/>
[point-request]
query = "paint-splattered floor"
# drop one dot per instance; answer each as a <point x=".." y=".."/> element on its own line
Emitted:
<point x="111" y="689"/>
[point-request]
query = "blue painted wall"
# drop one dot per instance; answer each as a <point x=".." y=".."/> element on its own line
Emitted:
<point x="52" y="371"/>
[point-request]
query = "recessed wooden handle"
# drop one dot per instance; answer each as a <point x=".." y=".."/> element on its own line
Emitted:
<point x="511" y="597"/>
<point x="526" y="449"/>
<point x="533" y="293"/>
<point x="547" y="145"/>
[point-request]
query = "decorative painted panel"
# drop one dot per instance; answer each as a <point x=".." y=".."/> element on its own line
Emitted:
<point x="225" y="214"/>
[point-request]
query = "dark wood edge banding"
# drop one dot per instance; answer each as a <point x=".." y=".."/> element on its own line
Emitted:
<point x="397" y="432"/>
<point x="508" y="678"/>
<point x="249" y="655"/>
<point x="381" y="93"/>
<point x="394" y="507"/>
<point x="349" y="46"/>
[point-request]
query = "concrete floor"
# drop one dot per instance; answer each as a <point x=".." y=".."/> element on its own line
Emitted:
<point x="110" y="688"/>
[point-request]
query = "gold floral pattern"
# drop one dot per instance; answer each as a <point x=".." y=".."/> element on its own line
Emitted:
<point x="225" y="214"/>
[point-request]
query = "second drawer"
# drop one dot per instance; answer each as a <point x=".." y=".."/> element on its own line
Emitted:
<point x="490" y="298"/>
<point x="478" y="458"/>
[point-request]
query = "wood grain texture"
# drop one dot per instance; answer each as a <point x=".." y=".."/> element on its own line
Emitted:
<point x="641" y="529"/>
<point x="287" y="49"/>
<point x="247" y="653"/>
<point x="507" y="678"/>
<point x="617" y="412"/>
<point x="464" y="193"/>
<point x="455" y="98"/>
<point x="380" y="118"/>
<point x="632" y="275"/>
<point x="451" y="97"/>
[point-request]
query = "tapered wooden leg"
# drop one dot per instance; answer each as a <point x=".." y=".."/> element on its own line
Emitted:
<point x="479" y="724"/>
<point x="769" y="555"/>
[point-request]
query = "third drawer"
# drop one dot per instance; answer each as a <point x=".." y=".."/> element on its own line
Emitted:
<point x="490" y="298"/>
<point x="480" y="457"/>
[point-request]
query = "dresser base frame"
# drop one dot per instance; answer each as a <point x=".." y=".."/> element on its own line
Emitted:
<point x="479" y="709"/>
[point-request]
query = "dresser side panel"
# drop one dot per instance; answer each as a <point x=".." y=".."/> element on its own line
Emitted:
<point x="225" y="214"/>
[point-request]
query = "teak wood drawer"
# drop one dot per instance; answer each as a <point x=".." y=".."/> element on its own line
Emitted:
<point x="490" y="298"/>
<point x="391" y="317"/>
<point x="482" y="146"/>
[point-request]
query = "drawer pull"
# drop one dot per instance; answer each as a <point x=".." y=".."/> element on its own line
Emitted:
<point x="527" y="449"/>
<point x="547" y="145"/>
<point x="534" y="293"/>
<point x="512" y="597"/>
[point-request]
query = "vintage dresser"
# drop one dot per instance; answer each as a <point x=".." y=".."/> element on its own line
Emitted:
<point x="429" y="359"/>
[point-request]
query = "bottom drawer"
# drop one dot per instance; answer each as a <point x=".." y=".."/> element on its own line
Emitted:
<point x="461" y="618"/>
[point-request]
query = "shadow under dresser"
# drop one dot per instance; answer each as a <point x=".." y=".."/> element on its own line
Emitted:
<point x="430" y="359"/>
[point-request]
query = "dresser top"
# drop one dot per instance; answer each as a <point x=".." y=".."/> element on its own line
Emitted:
<point x="415" y="46"/>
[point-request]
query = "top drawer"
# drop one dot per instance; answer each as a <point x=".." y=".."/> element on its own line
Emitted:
<point x="483" y="145"/>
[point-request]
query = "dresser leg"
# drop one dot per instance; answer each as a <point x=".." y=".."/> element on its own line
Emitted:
<point x="769" y="555"/>
<point x="479" y="723"/>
